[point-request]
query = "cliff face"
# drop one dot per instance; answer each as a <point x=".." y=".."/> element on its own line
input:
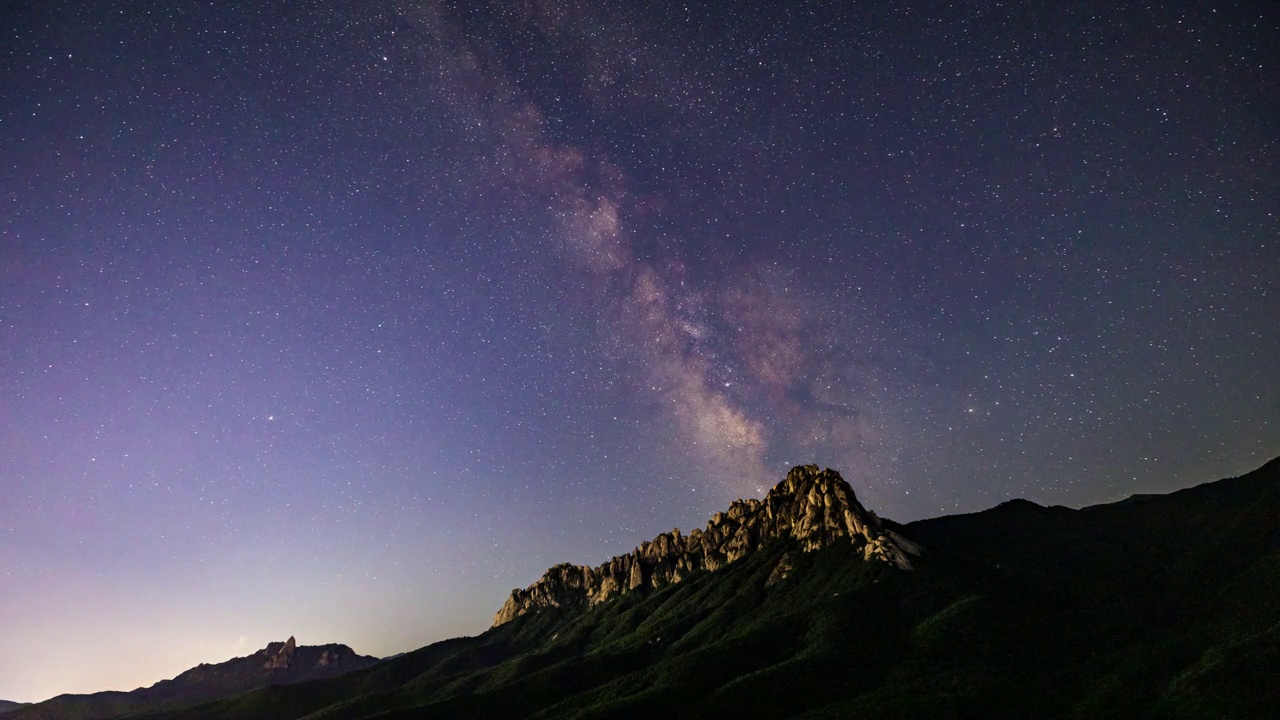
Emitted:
<point x="814" y="508"/>
<point x="280" y="655"/>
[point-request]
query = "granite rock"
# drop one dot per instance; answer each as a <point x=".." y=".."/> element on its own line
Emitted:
<point x="814" y="508"/>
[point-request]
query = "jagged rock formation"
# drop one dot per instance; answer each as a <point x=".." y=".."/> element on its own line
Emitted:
<point x="288" y="661"/>
<point x="780" y="571"/>
<point x="279" y="655"/>
<point x="814" y="508"/>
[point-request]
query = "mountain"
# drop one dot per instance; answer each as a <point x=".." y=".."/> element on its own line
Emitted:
<point x="1157" y="607"/>
<point x="280" y="663"/>
<point x="7" y="705"/>
<point x="810" y="508"/>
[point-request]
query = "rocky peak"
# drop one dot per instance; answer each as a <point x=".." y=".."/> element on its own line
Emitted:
<point x="280" y="655"/>
<point x="812" y="507"/>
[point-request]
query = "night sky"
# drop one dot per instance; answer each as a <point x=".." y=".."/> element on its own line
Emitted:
<point x="342" y="319"/>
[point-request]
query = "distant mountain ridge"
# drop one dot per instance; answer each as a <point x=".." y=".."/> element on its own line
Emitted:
<point x="7" y="705"/>
<point x="280" y="663"/>
<point x="814" y="508"/>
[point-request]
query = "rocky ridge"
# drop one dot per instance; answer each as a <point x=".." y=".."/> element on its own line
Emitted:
<point x="288" y="658"/>
<point x="812" y="507"/>
<point x="279" y="663"/>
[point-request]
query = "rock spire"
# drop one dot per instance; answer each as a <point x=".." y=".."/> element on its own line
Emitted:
<point x="280" y="655"/>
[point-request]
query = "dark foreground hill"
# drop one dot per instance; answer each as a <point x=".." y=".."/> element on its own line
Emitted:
<point x="1157" y="607"/>
<point x="279" y="663"/>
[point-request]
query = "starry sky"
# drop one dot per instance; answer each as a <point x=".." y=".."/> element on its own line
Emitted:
<point x="341" y="319"/>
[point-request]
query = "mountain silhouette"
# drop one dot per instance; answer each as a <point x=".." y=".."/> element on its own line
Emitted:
<point x="806" y="605"/>
<point x="279" y="663"/>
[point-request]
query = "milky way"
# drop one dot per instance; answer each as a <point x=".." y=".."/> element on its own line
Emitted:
<point x="339" y="320"/>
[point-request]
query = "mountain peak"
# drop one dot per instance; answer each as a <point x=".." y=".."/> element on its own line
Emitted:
<point x="280" y="655"/>
<point x="812" y="507"/>
<point x="817" y="507"/>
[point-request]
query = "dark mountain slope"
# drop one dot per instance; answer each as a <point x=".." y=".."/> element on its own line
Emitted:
<point x="654" y="652"/>
<point x="1172" y="596"/>
<point x="1163" y="607"/>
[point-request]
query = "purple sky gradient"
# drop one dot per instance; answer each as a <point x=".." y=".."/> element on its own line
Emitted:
<point x="339" y="320"/>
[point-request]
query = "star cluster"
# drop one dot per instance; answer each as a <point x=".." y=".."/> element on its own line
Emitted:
<point x="340" y="319"/>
